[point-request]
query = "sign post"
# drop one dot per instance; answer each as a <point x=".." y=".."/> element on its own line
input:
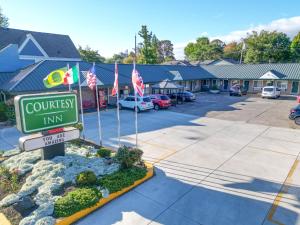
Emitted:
<point x="45" y="113"/>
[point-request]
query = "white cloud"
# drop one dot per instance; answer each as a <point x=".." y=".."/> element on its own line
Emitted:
<point x="290" y="26"/>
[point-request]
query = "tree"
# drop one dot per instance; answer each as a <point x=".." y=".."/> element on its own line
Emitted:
<point x="147" y="54"/>
<point x="295" y="48"/>
<point x="166" y="51"/>
<point x="204" y="49"/>
<point x="129" y="59"/>
<point x="117" y="57"/>
<point x="232" y="50"/>
<point x="267" y="47"/>
<point x="90" y="55"/>
<point x="3" y="20"/>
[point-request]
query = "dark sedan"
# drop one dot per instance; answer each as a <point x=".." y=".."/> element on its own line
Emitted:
<point x="184" y="96"/>
<point x="295" y="114"/>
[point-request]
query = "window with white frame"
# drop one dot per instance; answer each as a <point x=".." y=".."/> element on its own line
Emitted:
<point x="282" y="85"/>
<point x="257" y="85"/>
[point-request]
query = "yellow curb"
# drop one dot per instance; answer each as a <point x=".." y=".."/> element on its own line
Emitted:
<point x="79" y="215"/>
<point x="4" y="220"/>
<point x="279" y="196"/>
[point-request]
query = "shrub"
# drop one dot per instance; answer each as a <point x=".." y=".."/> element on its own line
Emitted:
<point x="75" y="201"/>
<point x="103" y="152"/>
<point x="86" y="178"/>
<point x="122" y="179"/>
<point x="78" y="126"/>
<point x="215" y="87"/>
<point x="9" y="181"/>
<point x="3" y="109"/>
<point x="128" y="156"/>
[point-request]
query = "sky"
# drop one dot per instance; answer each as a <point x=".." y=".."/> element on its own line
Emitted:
<point x="109" y="26"/>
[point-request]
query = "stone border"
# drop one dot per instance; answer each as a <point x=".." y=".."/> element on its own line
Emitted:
<point x="83" y="213"/>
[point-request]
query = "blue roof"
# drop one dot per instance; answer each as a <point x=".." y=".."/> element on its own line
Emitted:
<point x="55" y="45"/>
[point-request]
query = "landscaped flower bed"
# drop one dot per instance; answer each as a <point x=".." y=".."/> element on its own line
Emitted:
<point x="35" y="191"/>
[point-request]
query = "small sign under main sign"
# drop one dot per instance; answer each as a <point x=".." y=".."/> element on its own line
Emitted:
<point x="36" y="141"/>
<point x="39" y="112"/>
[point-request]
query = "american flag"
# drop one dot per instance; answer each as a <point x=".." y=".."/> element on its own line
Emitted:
<point x="91" y="78"/>
<point x="116" y="83"/>
<point x="137" y="82"/>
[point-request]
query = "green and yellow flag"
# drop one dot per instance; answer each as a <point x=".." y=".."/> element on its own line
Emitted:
<point x="55" y="78"/>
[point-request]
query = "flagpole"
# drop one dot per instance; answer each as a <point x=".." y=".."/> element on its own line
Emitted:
<point x="68" y="67"/>
<point x="80" y="98"/>
<point x="135" y="98"/>
<point x="118" y="108"/>
<point x="98" y="110"/>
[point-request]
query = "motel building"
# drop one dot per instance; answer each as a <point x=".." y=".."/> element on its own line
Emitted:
<point x="27" y="57"/>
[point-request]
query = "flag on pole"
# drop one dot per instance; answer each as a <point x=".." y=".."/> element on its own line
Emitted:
<point x="116" y="83"/>
<point x="137" y="82"/>
<point x="55" y="78"/>
<point x="91" y="78"/>
<point x="71" y="76"/>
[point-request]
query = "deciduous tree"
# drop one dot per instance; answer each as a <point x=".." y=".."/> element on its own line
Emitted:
<point x="267" y="47"/>
<point x="3" y="20"/>
<point x="295" y="48"/>
<point x="90" y="55"/>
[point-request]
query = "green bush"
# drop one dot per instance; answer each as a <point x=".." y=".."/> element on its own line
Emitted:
<point x="9" y="181"/>
<point x="122" y="179"/>
<point x="3" y="109"/>
<point x="103" y="152"/>
<point x="128" y="156"/>
<point x="75" y="201"/>
<point x="86" y="178"/>
<point x="78" y="126"/>
<point x="215" y="87"/>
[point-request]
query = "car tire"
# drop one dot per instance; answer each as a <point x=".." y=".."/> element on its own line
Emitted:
<point x="156" y="107"/>
<point x="120" y="106"/>
<point x="297" y="120"/>
<point x="230" y="94"/>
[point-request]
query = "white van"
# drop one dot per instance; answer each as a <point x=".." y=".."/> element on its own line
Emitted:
<point x="270" y="92"/>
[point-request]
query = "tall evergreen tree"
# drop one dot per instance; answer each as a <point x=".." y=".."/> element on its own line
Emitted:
<point x="147" y="54"/>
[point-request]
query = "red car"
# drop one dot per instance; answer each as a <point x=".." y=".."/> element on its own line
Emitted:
<point x="160" y="101"/>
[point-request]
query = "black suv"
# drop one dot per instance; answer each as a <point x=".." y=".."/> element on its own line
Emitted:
<point x="295" y="114"/>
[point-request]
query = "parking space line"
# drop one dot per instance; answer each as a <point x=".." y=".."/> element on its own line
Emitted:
<point x="284" y="189"/>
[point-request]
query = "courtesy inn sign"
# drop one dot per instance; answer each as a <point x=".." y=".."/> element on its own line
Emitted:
<point x="41" y="112"/>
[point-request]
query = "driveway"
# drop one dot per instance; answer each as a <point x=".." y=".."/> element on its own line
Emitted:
<point x="208" y="170"/>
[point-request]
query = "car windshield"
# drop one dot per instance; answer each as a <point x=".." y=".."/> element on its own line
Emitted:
<point x="147" y="99"/>
<point x="164" y="97"/>
<point x="269" y="89"/>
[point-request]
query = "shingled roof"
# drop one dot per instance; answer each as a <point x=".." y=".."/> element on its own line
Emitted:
<point x="55" y="45"/>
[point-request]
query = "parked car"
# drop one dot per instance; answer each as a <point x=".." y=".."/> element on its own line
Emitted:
<point x="184" y="96"/>
<point x="143" y="103"/>
<point x="235" y="90"/>
<point x="160" y="101"/>
<point x="295" y="114"/>
<point x="270" y="92"/>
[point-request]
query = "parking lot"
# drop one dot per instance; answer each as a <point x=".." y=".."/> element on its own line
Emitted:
<point x="250" y="108"/>
<point x="219" y="160"/>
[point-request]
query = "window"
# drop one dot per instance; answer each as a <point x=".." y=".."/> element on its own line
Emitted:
<point x="282" y="85"/>
<point x="270" y="83"/>
<point x="147" y="99"/>
<point x="257" y="85"/>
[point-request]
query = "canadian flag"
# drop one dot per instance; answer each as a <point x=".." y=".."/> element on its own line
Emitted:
<point x="115" y="89"/>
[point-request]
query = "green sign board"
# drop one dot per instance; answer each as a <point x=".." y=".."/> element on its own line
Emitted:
<point x="35" y="113"/>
